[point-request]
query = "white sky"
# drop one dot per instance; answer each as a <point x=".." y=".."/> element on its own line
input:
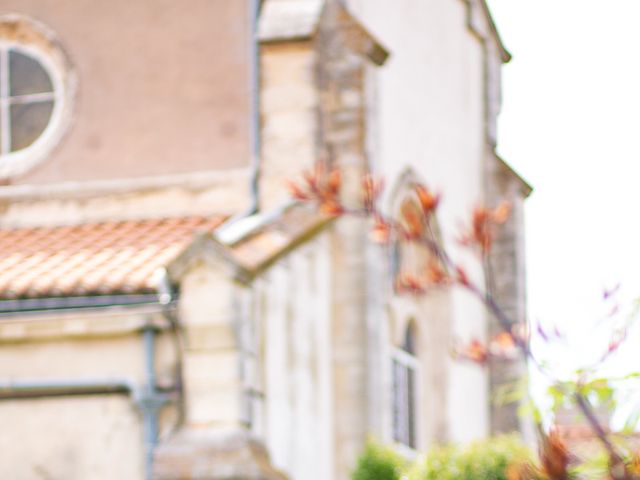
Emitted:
<point x="571" y="126"/>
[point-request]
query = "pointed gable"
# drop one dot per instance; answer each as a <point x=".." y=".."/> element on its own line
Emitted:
<point x="291" y="20"/>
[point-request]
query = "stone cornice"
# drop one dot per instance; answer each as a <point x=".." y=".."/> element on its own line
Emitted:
<point x="80" y="324"/>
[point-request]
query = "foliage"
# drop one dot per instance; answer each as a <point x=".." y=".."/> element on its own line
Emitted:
<point x="491" y="459"/>
<point x="378" y="463"/>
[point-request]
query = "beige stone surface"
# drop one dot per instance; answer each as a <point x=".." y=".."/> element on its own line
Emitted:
<point x="289" y="102"/>
<point x="213" y="455"/>
<point x="81" y="358"/>
<point x="219" y="195"/>
<point x="211" y="365"/>
<point x="508" y="286"/>
<point x="82" y="438"/>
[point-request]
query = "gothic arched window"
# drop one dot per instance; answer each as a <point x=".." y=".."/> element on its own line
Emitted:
<point x="412" y="257"/>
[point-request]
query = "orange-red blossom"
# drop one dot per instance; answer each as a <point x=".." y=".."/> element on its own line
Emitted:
<point x="483" y="225"/>
<point x="428" y="200"/>
<point x="554" y="456"/>
<point x="320" y="186"/>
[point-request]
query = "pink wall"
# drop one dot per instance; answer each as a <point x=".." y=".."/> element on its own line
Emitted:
<point x="163" y="86"/>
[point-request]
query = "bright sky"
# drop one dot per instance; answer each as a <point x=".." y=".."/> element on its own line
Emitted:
<point x="571" y="126"/>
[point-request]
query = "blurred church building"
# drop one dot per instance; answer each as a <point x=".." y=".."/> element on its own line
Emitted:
<point x="166" y="310"/>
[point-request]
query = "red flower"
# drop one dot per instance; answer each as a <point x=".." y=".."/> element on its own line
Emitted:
<point x="331" y="208"/>
<point x="461" y="276"/>
<point x="554" y="456"/>
<point x="428" y="200"/>
<point x="475" y="351"/>
<point x="436" y="274"/>
<point x="296" y="192"/>
<point x="413" y="221"/>
<point x="504" y="345"/>
<point x="408" y="283"/>
<point x="333" y="183"/>
<point x="381" y="231"/>
<point x="371" y="189"/>
<point x="483" y="224"/>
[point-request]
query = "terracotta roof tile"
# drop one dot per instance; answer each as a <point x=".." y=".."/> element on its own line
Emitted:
<point x="92" y="259"/>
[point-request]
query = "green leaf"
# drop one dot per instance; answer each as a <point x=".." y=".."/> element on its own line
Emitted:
<point x="511" y="392"/>
<point x="632" y="422"/>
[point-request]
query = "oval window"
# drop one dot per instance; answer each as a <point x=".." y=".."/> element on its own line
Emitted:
<point x="26" y="100"/>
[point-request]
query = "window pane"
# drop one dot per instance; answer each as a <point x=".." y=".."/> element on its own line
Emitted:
<point x="398" y="402"/>
<point x="26" y="75"/>
<point x="411" y="408"/>
<point x="28" y="121"/>
<point x="410" y="339"/>
<point x="404" y="408"/>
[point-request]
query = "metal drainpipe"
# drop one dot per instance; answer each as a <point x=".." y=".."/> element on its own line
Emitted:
<point x="62" y="387"/>
<point x="255" y="87"/>
<point x="151" y="400"/>
<point x="256" y="141"/>
<point x="147" y="398"/>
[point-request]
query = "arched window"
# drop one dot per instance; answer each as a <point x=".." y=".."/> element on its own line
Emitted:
<point x="34" y="91"/>
<point x="411" y="257"/>
<point x="405" y="374"/>
<point x="27" y="98"/>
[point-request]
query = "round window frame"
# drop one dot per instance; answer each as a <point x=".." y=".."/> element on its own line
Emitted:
<point x="38" y="42"/>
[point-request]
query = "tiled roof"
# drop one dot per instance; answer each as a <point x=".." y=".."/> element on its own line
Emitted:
<point x="92" y="259"/>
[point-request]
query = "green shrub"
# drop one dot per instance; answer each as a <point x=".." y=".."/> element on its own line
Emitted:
<point x="482" y="460"/>
<point x="378" y="463"/>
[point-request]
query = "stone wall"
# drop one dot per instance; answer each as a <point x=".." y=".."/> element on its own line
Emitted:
<point x="313" y="106"/>
<point x="340" y="80"/>
<point x="78" y="437"/>
<point x="214" y="193"/>
<point x="506" y="281"/>
<point x="292" y="318"/>
<point x="289" y="117"/>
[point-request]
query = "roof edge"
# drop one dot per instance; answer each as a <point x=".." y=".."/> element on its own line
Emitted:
<point x="256" y="248"/>
<point x="205" y="248"/>
<point x="527" y="188"/>
<point x="485" y="27"/>
<point x="278" y="25"/>
<point x="504" y="52"/>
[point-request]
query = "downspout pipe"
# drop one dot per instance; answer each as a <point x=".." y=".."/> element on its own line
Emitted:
<point x="256" y="135"/>
<point x="151" y="400"/>
<point x="60" y="387"/>
<point x="255" y="95"/>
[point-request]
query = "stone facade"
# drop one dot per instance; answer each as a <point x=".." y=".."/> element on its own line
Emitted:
<point x="267" y="353"/>
<point x="506" y="283"/>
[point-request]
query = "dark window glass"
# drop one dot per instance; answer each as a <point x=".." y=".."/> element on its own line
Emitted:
<point x="404" y="428"/>
<point x="399" y="402"/>
<point x="411" y="408"/>
<point x="26" y="75"/>
<point x="28" y="121"/>
<point x="410" y="339"/>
